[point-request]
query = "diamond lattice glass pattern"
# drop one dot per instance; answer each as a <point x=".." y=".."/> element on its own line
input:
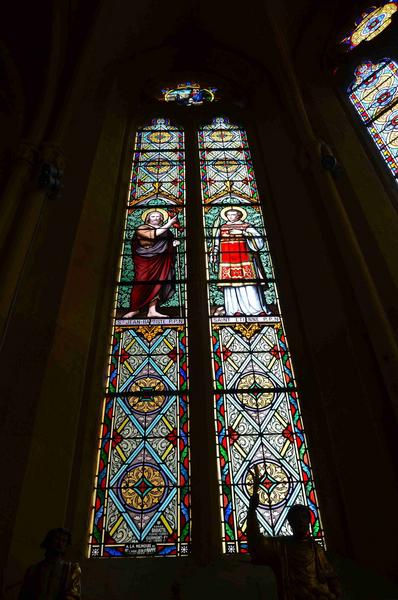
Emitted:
<point x="374" y="95"/>
<point x="142" y="495"/>
<point x="256" y="405"/>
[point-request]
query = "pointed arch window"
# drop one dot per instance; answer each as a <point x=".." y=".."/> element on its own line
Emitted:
<point x="374" y="95"/>
<point x="257" y="412"/>
<point x="141" y="500"/>
<point x="142" y="493"/>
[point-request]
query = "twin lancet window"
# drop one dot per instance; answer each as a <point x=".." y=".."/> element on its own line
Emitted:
<point x="142" y="493"/>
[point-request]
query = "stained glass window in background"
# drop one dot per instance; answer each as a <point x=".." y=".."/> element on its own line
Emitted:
<point x="256" y="404"/>
<point x="374" y="94"/>
<point x="142" y="496"/>
<point x="369" y="24"/>
<point x="189" y="94"/>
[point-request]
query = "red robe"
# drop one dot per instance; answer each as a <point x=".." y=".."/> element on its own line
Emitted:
<point x="153" y="258"/>
<point x="236" y="260"/>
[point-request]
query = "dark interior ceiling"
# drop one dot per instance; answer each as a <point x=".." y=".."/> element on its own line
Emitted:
<point x="126" y="30"/>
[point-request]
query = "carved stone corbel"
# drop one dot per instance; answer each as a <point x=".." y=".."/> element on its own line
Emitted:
<point x="328" y="160"/>
<point x="51" y="169"/>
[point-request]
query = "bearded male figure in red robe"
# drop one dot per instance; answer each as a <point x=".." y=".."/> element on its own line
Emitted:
<point x="153" y="250"/>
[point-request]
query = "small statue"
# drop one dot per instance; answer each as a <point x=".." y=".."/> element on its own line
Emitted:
<point x="299" y="563"/>
<point x="53" y="578"/>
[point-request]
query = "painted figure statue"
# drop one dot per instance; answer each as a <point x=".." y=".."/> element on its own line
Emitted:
<point x="299" y="563"/>
<point x="53" y="578"/>
<point x="235" y="254"/>
<point x="153" y="251"/>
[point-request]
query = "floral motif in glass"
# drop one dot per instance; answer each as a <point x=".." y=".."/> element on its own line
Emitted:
<point x="374" y="94"/>
<point x="258" y="420"/>
<point x="142" y="496"/>
<point x="189" y="94"/>
<point x="371" y="22"/>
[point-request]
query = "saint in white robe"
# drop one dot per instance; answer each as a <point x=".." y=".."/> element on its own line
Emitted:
<point x="236" y="245"/>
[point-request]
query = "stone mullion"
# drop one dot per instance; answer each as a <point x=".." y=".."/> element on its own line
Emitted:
<point x="206" y="524"/>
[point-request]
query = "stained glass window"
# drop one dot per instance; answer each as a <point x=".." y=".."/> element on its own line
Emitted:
<point x="257" y="411"/>
<point x="369" y="24"/>
<point x="189" y="94"/>
<point x="374" y="94"/>
<point x="142" y="496"/>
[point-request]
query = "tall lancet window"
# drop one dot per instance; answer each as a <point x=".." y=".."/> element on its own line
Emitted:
<point x="374" y="94"/>
<point x="141" y="501"/>
<point x="142" y="493"/>
<point x="256" y="403"/>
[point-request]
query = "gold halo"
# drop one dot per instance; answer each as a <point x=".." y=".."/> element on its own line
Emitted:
<point x="228" y="208"/>
<point x="162" y="211"/>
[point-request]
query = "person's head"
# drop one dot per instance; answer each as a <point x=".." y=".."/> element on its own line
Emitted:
<point x="299" y="518"/>
<point x="154" y="218"/>
<point x="56" y="541"/>
<point x="233" y="215"/>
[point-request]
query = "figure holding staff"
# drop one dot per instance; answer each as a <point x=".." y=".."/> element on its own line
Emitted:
<point x="153" y="251"/>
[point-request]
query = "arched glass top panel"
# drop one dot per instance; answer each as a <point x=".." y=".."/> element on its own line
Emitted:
<point x="370" y="24"/>
<point x="374" y="95"/>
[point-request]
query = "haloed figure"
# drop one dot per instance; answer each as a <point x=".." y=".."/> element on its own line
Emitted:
<point x="236" y="254"/>
<point x="153" y="250"/>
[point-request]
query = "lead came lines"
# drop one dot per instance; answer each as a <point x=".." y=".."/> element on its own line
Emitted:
<point x="252" y="405"/>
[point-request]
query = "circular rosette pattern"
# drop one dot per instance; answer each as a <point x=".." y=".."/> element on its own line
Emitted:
<point x="226" y="166"/>
<point x="159" y="137"/>
<point x="158" y="166"/>
<point x="255" y="391"/>
<point x="274" y="484"/>
<point x="142" y="487"/>
<point x="221" y="135"/>
<point x="149" y="394"/>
